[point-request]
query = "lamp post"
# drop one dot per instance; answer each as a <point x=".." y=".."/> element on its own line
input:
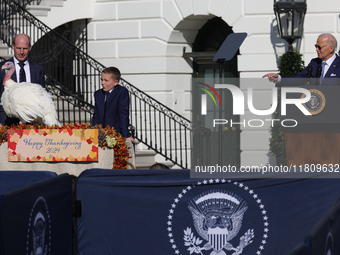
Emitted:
<point x="290" y="15"/>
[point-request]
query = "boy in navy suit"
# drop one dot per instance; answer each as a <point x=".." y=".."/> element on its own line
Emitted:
<point x="112" y="103"/>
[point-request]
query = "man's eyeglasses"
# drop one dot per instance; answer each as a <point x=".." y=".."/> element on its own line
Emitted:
<point x="319" y="47"/>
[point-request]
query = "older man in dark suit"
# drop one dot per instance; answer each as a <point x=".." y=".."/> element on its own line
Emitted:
<point x="327" y="64"/>
<point x="25" y="71"/>
<point x="112" y="103"/>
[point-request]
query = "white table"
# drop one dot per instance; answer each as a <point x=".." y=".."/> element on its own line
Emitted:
<point x="105" y="161"/>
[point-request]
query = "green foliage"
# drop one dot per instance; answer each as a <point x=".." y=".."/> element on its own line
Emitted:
<point x="277" y="139"/>
<point x="290" y="64"/>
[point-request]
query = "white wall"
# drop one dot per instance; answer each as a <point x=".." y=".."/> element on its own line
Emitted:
<point x="145" y="39"/>
<point x="71" y="10"/>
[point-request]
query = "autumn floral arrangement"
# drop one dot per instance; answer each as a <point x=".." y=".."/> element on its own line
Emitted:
<point x="108" y="138"/>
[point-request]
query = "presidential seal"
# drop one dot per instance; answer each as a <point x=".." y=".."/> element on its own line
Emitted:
<point x="329" y="245"/>
<point x="216" y="219"/>
<point x="39" y="229"/>
<point x="317" y="102"/>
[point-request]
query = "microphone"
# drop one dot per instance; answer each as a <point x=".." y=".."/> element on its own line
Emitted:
<point x="318" y="72"/>
<point x="309" y="71"/>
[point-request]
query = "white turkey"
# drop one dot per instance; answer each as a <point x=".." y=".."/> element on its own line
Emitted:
<point x="29" y="102"/>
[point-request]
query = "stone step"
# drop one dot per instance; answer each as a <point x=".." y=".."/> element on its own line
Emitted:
<point x="38" y="10"/>
<point x="44" y="7"/>
<point x="147" y="165"/>
<point x="57" y="3"/>
<point x="4" y="51"/>
<point x="146" y="158"/>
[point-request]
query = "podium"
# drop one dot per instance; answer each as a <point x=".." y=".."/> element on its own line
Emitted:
<point x="314" y="139"/>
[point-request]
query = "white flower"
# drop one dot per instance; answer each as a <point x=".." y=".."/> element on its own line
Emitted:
<point x="111" y="142"/>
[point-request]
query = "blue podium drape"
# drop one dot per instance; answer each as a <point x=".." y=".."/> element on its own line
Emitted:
<point x="11" y="180"/>
<point x="166" y="212"/>
<point x="324" y="237"/>
<point x="37" y="219"/>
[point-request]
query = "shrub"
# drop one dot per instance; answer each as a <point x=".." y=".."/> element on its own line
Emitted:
<point x="290" y="63"/>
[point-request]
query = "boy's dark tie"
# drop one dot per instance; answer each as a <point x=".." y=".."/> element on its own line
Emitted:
<point x="105" y="105"/>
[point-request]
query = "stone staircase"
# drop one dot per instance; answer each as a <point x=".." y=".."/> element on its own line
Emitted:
<point x="44" y="7"/>
<point x="144" y="157"/>
<point x="4" y="51"/>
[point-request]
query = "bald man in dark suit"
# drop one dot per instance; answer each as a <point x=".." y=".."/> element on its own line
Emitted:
<point x="34" y="73"/>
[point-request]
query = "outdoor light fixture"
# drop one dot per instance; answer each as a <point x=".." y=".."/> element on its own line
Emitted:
<point x="290" y="15"/>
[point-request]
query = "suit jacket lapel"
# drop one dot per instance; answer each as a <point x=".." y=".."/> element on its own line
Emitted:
<point x="333" y="67"/>
<point x="111" y="95"/>
<point x="14" y="75"/>
<point x="101" y="98"/>
<point x="32" y="73"/>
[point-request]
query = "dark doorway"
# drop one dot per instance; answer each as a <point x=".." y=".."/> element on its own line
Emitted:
<point x="209" y="39"/>
<point x="59" y="58"/>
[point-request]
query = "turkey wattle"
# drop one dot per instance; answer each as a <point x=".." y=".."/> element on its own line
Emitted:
<point x="29" y="102"/>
